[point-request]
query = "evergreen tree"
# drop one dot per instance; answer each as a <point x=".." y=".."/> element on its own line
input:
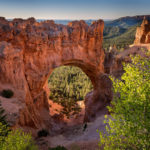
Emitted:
<point x="2" y="115"/>
<point x="67" y="85"/>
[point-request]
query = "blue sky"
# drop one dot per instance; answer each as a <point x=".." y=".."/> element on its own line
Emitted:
<point x="73" y="9"/>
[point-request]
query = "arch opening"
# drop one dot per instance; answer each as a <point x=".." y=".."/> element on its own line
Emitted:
<point x="68" y="86"/>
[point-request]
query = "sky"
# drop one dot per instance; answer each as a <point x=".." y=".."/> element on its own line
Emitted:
<point x="73" y="9"/>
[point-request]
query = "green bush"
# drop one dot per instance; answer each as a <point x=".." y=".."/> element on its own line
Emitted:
<point x="3" y="133"/>
<point x="129" y="126"/>
<point x="16" y="140"/>
<point x="42" y="133"/>
<point x="7" y="93"/>
<point x="58" y="148"/>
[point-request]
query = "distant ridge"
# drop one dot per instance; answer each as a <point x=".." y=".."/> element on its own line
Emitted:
<point x="136" y="17"/>
<point x="121" y="31"/>
<point x="127" y="21"/>
<point x="130" y="20"/>
<point x="65" y="22"/>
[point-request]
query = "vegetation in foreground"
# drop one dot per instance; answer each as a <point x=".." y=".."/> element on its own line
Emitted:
<point x="129" y="127"/>
<point x="14" y="140"/>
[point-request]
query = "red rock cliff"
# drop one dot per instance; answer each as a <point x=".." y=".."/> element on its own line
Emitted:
<point x="29" y="51"/>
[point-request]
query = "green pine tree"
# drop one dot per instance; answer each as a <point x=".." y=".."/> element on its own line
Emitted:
<point x="2" y="115"/>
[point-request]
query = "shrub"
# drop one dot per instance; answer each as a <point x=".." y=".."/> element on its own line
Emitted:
<point x="18" y="140"/>
<point x="3" y="133"/>
<point x="58" y="148"/>
<point x="129" y="127"/>
<point x="42" y="133"/>
<point x="2" y="115"/>
<point x="15" y="140"/>
<point x="7" y="93"/>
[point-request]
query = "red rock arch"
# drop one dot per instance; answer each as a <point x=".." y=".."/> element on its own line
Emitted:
<point x="31" y="50"/>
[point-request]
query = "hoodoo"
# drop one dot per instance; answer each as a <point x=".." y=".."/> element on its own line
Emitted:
<point x="143" y="33"/>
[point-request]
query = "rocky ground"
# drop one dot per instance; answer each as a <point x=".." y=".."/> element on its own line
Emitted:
<point x="67" y="132"/>
<point x="74" y="138"/>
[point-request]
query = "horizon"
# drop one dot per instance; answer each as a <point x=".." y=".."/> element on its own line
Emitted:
<point x="73" y="19"/>
<point x="73" y="10"/>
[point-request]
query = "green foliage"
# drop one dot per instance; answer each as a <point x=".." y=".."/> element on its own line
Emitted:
<point x="7" y="93"/>
<point x="3" y="133"/>
<point x="69" y="82"/>
<point x="18" y="140"/>
<point x="15" y="140"/>
<point x="2" y="115"/>
<point x="129" y="126"/>
<point x="42" y="133"/>
<point x="70" y="107"/>
<point x="121" y="32"/>
<point x="68" y="85"/>
<point x="4" y="130"/>
<point x="121" y="37"/>
<point x="58" y="148"/>
<point x="113" y="31"/>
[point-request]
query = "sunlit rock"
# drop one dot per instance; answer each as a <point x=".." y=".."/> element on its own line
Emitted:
<point x="29" y="51"/>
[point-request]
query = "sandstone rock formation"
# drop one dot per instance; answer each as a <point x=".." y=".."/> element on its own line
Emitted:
<point x="143" y="33"/>
<point x="29" y="51"/>
<point x="114" y="60"/>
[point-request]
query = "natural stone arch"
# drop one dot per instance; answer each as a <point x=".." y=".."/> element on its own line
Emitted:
<point x="87" y="68"/>
<point x="32" y="50"/>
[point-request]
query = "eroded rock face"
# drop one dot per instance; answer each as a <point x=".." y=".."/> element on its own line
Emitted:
<point x="29" y="51"/>
<point x="114" y="60"/>
<point x="143" y="33"/>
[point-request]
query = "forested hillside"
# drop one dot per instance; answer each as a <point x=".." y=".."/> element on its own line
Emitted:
<point x="69" y="82"/>
<point x="121" y="32"/>
<point x="121" y="37"/>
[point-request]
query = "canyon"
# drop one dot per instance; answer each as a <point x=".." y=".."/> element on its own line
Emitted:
<point x="31" y="50"/>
